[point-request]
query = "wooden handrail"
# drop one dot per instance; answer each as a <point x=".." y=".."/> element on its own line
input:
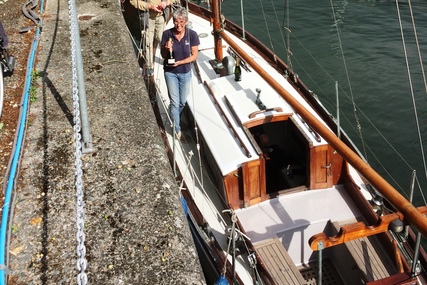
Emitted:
<point x="357" y="230"/>
<point x="412" y="215"/>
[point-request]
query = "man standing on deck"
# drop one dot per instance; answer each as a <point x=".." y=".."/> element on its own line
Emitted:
<point x="183" y="43"/>
<point x="154" y="14"/>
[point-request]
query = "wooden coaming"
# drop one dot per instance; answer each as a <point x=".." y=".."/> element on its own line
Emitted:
<point x="234" y="196"/>
<point x="396" y="279"/>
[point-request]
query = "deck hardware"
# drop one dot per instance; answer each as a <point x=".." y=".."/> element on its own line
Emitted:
<point x="326" y="166"/>
<point x="396" y="226"/>
<point x="377" y="198"/>
<point x="310" y="129"/>
<point x="253" y="114"/>
<point x="415" y="269"/>
<point x="411" y="196"/>
<point x="258" y="101"/>
<point x="320" y="248"/>
<point x="252" y="259"/>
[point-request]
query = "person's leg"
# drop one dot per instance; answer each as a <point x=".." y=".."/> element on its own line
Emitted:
<point x="158" y="32"/>
<point x="4" y="36"/>
<point x="184" y="89"/>
<point x="173" y="92"/>
<point x="149" y="43"/>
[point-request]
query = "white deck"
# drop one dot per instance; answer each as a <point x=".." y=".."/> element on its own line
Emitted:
<point x="226" y="150"/>
<point x="297" y="217"/>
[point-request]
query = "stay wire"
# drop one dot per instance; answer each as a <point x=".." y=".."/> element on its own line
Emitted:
<point x="266" y="26"/>
<point x="279" y="28"/>
<point x="327" y="100"/>
<point x="425" y="86"/>
<point x="410" y="80"/>
<point x="358" y="125"/>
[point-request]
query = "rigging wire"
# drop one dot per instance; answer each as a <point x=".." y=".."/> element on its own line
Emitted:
<point x="326" y="99"/>
<point x="421" y="192"/>
<point x="356" y="107"/>
<point x="288" y="31"/>
<point x="266" y="26"/>
<point x="359" y="126"/>
<point x="279" y="27"/>
<point x="409" y="76"/>
<point x="365" y="116"/>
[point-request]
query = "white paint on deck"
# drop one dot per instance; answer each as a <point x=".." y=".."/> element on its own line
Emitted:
<point x="296" y="217"/>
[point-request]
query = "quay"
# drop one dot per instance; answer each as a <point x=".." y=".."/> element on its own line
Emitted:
<point x="135" y="230"/>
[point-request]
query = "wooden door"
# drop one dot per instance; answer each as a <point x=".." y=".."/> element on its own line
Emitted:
<point x="254" y="190"/>
<point x="320" y="168"/>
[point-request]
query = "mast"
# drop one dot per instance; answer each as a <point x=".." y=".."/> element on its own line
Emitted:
<point x="217" y="28"/>
<point x="411" y="214"/>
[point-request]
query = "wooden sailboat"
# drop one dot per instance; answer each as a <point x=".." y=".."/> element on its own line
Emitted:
<point x="273" y="196"/>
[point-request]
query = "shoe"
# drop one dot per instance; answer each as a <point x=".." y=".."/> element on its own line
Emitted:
<point x="182" y="137"/>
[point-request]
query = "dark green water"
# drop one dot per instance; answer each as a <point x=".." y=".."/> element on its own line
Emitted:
<point x="373" y="75"/>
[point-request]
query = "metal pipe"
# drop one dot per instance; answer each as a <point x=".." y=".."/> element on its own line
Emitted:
<point x="411" y="196"/>
<point x="243" y="20"/>
<point x="319" y="272"/>
<point x="86" y="136"/>
<point x="416" y="255"/>
<point x="338" y="111"/>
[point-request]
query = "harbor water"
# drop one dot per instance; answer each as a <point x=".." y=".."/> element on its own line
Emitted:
<point x="357" y="46"/>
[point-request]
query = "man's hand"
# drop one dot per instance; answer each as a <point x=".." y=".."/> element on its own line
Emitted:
<point x="155" y="8"/>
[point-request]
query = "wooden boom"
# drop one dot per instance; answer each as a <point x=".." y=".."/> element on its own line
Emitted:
<point x="411" y="214"/>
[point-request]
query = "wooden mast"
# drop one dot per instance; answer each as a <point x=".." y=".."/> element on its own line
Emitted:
<point x="217" y="28"/>
<point x="411" y="214"/>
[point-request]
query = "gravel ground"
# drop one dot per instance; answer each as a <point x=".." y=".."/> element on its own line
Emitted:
<point x="135" y="229"/>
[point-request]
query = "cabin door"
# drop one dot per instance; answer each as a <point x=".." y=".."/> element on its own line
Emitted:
<point x="320" y="168"/>
<point x="253" y="182"/>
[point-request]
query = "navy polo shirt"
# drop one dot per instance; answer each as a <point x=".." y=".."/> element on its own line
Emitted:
<point x="181" y="49"/>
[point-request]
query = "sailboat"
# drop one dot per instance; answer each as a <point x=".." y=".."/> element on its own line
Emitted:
<point x="272" y="194"/>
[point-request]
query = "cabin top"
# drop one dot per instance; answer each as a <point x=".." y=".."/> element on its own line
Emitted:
<point x="222" y="106"/>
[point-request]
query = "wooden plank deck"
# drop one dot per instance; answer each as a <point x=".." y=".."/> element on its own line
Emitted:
<point x="277" y="260"/>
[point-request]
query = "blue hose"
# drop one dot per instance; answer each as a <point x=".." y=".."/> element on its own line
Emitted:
<point x="16" y="157"/>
